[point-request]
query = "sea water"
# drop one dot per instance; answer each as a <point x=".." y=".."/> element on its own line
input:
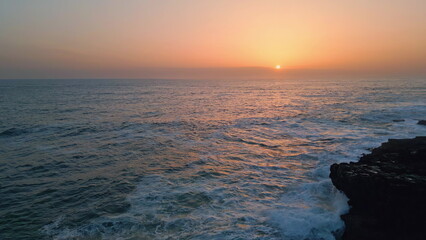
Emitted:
<point x="187" y="159"/>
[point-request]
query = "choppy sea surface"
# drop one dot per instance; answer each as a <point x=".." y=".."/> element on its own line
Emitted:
<point x="181" y="159"/>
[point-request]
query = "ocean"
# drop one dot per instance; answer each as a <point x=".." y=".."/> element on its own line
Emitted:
<point x="188" y="159"/>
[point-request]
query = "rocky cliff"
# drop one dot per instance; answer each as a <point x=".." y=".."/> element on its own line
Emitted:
<point x="387" y="191"/>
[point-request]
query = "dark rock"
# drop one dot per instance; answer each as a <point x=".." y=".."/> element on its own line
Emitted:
<point x="422" y="122"/>
<point x="386" y="191"/>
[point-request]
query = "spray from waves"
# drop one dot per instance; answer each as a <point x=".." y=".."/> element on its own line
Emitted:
<point x="162" y="208"/>
<point x="312" y="210"/>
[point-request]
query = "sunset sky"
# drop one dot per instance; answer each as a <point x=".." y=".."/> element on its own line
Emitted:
<point x="184" y="38"/>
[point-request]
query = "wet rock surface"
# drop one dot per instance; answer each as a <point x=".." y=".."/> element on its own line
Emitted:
<point x="387" y="191"/>
<point x="422" y="122"/>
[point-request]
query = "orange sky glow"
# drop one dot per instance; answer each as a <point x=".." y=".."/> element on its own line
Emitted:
<point x="184" y="38"/>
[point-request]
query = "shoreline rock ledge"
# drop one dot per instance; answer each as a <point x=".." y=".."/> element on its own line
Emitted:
<point x="386" y="191"/>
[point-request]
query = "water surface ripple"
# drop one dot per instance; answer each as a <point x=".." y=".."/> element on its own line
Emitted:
<point x="164" y="159"/>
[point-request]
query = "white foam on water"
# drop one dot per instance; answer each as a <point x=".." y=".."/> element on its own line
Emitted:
<point x="311" y="211"/>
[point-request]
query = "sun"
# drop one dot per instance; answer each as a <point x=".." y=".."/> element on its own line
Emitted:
<point x="278" y="67"/>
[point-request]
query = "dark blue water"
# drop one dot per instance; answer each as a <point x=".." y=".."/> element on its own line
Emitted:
<point x="157" y="159"/>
